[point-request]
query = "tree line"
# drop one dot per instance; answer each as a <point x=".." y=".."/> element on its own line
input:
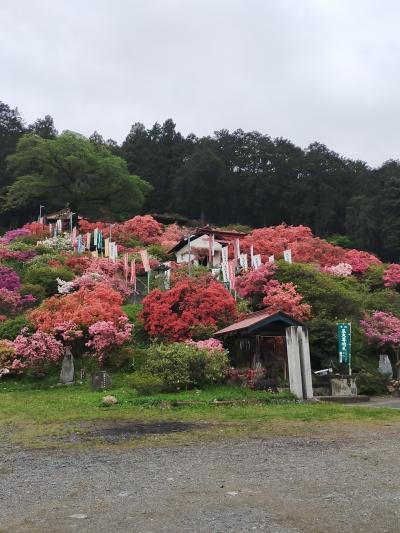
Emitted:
<point x="238" y="177"/>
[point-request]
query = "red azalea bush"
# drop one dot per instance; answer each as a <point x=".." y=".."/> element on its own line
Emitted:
<point x="172" y="314"/>
<point x="83" y="307"/>
<point x="171" y="236"/>
<point x="77" y="263"/>
<point x="145" y="228"/>
<point x="391" y="276"/>
<point x="250" y="285"/>
<point x="87" y="227"/>
<point x="284" y="297"/>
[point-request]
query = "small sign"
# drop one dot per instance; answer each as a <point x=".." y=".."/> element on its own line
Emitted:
<point x="224" y="254"/>
<point x="243" y="261"/>
<point x="271" y="259"/>
<point x="344" y="342"/>
<point x="256" y="261"/>
<point x="225" y="272"/>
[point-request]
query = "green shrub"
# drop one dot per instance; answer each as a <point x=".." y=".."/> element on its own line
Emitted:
<point x="9" y="329"/>
<point x="46" y="277"/>
<point x="372" y="279"/>
<point x="132" y="311"/>
<point x="36" y="290"/>
<point x="158" y="252"/>
<point x="371" y="383"/>
<point x="145" y="383"/>
<point x="181" y="366"/>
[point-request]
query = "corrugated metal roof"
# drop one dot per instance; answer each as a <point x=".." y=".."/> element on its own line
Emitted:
<point x="257" y="318"/>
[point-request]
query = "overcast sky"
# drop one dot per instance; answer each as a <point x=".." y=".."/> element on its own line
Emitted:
<point x="306" y="70"/>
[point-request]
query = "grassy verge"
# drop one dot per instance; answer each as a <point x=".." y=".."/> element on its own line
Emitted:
<point x="39" y="415"/>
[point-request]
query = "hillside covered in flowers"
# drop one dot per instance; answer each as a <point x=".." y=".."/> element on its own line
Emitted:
<point x="114" y="309"/>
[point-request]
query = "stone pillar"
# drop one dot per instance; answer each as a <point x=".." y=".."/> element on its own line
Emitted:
<point x="294" y="365"/>
<point x="305" y="363"/>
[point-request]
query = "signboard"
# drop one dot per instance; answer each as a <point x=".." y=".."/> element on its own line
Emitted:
<point x="231" y="272"/>
<point x="344" y="342"/>
<point x="256" y="261"/>
<point x="271" y="259"/>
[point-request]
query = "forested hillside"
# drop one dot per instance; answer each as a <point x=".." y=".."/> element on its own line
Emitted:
<point x="228" y="178"/>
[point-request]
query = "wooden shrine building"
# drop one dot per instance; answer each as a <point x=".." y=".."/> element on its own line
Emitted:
<point x="275" y="342"/>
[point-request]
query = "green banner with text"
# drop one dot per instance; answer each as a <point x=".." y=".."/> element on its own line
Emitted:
<point x="344" y="342"/>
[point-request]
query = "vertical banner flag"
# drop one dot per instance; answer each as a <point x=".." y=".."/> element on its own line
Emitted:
<point x="236" y="251"/>
<point x="271" y="259"/>
<point x="95" y="234"/>
<point x="344" y="342"/>
<point x="231" y="271"/>
<point x="145" y="260"/>
<point x="224" y="254"/>
<point x="167" y="276"/>
<point x="211" y="250"/>
<point x="243" y="261"/>
<point x="287" y="256"/>
<point x="88" y="241"/>
<point x="106" y="247"/>
<point x="225" y="272"/>
<point x="256" y="261"/>
<point x="251" y="254"/>
<point x="51" y="229"/>
<point x="126" y="266"/>
<point x="133" y="274"/>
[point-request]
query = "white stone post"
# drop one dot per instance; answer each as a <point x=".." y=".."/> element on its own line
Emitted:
<point x="305" y="363"/>
<point x="294" y="365"/>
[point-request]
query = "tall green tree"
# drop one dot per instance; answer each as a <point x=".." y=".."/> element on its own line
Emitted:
<point x="70" y="170"/>
<point x="11" y="129"/>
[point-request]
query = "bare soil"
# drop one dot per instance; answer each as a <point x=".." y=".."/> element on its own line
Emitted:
<point x="336" y="478"/>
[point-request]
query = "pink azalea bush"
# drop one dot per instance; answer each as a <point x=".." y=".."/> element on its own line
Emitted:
<point x="106" y="335"/>
<point x="12" y="302"/>
<point x="251" y="284"/>
<point x="341" y="270"/>
<point x="381" y="328"/>
<point x="33" y="351"/>
<point x="284" y="297"/>
<point x="211" y="345"/>
<point x="391" y="276"/>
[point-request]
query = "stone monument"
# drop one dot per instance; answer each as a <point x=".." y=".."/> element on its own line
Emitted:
<point x="67" y="367"/>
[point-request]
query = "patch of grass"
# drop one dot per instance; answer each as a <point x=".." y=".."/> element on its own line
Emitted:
<point x="37" y="414"/>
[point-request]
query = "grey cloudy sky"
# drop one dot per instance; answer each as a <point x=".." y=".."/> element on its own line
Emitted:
<point x="307" y="70"/>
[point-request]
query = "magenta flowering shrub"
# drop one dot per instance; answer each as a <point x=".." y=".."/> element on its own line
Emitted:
<point x="33" y="351"/>
<point x="14" y="234"/>
<point x="9" y="279"/>
<point x="106" y="335"/>
<point x="382" y="329"/>
<point x="12" y="302"/>
<point x="211" y="345"/>
<point x="251" y="284"/>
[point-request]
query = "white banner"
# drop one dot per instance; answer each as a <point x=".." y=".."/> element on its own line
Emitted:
<point x="243" y="261"/>
<point x="225" y="272"/>
<point x="256" y="261"/>
<point x="271" y="259"/>
<point x="287" y="256"/>
<point x="224" y="255"/>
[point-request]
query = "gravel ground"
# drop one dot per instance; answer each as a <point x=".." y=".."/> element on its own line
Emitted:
<point x="331" y="482"/>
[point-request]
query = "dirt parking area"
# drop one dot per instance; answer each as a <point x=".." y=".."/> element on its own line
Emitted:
<point x="327" y="481"/>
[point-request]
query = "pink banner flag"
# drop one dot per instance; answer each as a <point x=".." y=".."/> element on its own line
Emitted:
<point x="126" y="266"/>
<point x="236" y="251"/>
<point x="133" y="274"/>
<point x="231" y="270"/>
<point x="145" y="260"/>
